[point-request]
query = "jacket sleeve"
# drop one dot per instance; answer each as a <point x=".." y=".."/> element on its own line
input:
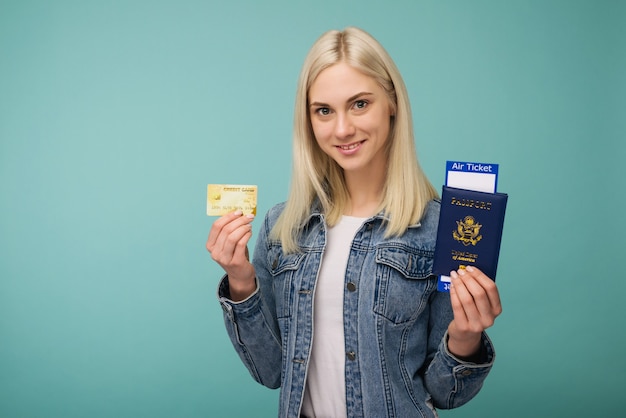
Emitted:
<point x="450" y="381"/>
<point x="252" y="325"/>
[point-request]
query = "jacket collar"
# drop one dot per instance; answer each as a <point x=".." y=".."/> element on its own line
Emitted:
<point x="316" y="212"/>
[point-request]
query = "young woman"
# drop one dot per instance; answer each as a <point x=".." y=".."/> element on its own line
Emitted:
<point x="339" y="307"/>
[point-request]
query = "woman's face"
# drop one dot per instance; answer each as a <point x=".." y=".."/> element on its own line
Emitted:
<point x="351" y="118"/>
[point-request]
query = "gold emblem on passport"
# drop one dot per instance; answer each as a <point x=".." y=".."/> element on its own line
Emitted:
<point x="467" y="231"/>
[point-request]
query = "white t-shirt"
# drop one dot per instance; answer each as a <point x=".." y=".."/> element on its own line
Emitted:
<point x="325" y="389"/>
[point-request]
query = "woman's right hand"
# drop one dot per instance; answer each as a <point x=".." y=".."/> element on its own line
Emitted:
<point x="228" y="245"/>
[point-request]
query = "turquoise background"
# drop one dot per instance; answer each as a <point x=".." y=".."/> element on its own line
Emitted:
<point x="115" y="115"/>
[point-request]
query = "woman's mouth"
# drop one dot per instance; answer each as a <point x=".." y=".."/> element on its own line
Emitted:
<point x="350" y="148"/>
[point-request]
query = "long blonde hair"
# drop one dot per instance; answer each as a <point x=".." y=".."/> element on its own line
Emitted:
<point x="317" y="176"/>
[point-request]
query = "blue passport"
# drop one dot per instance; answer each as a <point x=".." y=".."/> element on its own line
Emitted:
<point x="469" y="231"/>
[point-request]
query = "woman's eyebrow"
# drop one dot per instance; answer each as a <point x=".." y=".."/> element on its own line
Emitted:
<point x="350" y="99"/>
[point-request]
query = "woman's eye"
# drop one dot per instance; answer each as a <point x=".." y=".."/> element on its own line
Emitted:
<point x="323" y="111"/>
<point x="360" y="104"/>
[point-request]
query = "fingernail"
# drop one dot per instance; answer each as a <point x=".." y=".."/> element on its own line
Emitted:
<point x="238" y="213"/>
<point x="461" y="272"/>
<point x="250" y="216"/>
<point x="469" y="268"/>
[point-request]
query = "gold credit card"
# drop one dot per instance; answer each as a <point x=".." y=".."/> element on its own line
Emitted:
<point x="224" y="198"/>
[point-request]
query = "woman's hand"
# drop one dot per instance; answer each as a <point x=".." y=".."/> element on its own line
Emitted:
<point x="475" y="304"/>
<point x="227" y="244"/>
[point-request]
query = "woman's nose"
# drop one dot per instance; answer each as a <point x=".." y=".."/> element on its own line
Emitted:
<point x="344" y="128"/>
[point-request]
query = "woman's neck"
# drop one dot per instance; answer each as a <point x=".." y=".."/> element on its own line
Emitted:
<point x="365" y="196"/>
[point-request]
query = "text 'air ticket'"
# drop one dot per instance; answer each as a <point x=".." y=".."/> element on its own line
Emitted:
<point x="224" y="198"/>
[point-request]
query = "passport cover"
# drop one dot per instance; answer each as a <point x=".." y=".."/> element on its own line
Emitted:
<point x="469" y="231"/>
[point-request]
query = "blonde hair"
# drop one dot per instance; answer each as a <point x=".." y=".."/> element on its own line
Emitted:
<point x="317" y="176"/>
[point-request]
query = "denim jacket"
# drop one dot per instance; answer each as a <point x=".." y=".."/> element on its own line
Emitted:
<point x="395" y="321"/>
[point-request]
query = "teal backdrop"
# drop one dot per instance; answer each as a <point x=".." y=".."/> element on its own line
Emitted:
<point x="115" y="115"/>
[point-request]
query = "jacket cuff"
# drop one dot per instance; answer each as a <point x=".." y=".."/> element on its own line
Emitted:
<point x="484" y="358"/>
<point x="223" y="294"/>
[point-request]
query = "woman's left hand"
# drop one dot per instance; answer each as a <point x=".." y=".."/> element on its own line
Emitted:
<point x="475" y="304"/>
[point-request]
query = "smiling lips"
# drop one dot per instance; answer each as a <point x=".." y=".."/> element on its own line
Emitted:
<point x="350" y="148"/>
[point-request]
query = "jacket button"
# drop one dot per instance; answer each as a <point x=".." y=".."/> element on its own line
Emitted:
<point x="351" y="355"/>
<point x="466" y="372"/>
<point x="351" y="286"/>
<point x="275" y="263"/>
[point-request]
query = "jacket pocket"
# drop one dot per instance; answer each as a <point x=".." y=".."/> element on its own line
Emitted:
<point x="282" y="268"/>
<point x="403" y="282"/>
